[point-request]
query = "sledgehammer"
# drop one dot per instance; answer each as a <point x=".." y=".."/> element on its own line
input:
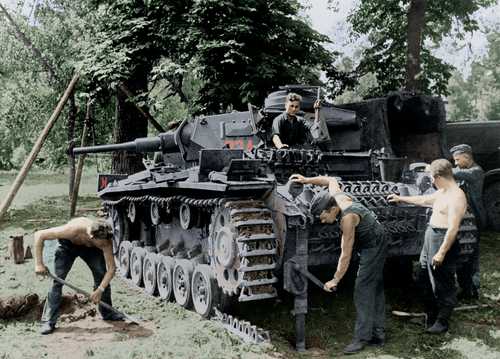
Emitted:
<point x="87" y="294"/>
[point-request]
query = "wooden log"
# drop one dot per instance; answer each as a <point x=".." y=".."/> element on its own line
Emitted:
<point x="16" y="249"/>
<point x="79" y="169"/>
<point x="36" y="148"/>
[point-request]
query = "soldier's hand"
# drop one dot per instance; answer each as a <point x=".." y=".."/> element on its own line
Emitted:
<point x="298" y="178"/>
<point x="283" y="145"/>
<point x="95" y="297"/>
<point x="438" y="259"/>
<point x="393" y="198"/>
<point x="317" y="104"/>
<point x="41" y="270"/>
<point x="330" y="286"/>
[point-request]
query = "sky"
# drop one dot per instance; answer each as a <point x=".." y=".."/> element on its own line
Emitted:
<point x="334" y="24"/>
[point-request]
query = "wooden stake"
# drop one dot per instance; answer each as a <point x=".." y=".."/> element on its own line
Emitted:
<point x="36" y="148"/>
<point x="16" y="249"/>
<point x="79" y="169"/>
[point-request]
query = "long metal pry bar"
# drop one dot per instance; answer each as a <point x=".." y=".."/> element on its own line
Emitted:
<point x="87" y="294"/>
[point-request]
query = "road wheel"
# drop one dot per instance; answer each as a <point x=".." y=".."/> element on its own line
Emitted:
<point x="136" y="263"/>
<point x="182" y="274"/>
<point x="149" y="271"/>
<point x="124" y="258"/>
<point x="164" y="277"/>
<point x="203" y="290"/>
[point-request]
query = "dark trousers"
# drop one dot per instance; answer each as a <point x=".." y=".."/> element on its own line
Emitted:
<point x="65" y="256"/>
<point x="369" y="296"/>
<point x="437" y="286"/>
<point x="468" y="275"/>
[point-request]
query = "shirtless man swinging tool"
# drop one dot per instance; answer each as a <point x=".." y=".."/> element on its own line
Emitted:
<point x="85" y="238"/>
<point x="440" y="250"/>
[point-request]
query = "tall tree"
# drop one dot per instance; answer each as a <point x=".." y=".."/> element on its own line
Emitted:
<point x="401" y="36"/>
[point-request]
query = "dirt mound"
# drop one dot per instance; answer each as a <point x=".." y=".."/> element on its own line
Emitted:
<point x="18" y="306"/>
<point x="73" y="307"/>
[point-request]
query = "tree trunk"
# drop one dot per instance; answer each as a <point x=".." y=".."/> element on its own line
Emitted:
<point x="129" y="125"/>
<point x="71" y="142"/>
<point x="416" y="23"/>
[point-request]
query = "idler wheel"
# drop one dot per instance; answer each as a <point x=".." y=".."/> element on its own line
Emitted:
<point x="182" y="274"/>
<point x="149" y="271"/>
<point x="124" y="258"/>
<point x="203" y="290"/>
<point x="136" y="263"/>
<point x="164" y="277"/>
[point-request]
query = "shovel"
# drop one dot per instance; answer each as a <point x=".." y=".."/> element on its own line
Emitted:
<point x="87" y="294"/>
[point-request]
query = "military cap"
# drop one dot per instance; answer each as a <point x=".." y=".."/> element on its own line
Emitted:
<point x="463" y="148"/>
<point x="321" y="201"/>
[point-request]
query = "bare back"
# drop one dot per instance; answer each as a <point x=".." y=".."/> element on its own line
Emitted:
<point x="447" y="203"/>
<point x="77" y="231"/>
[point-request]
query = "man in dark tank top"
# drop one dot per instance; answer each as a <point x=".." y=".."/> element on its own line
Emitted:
<point x="363" y="234"/>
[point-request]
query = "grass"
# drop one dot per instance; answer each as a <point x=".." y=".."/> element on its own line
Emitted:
<point x="181" y="333"/>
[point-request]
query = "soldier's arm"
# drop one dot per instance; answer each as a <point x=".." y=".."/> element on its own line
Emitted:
<point x="348" y="227"/>
<point x="277" y="142"/>
<point x="423" y="201"/>
<point x="61" y="232"/>
<point x="110" y="272"/>
<point x="465" y="174"/>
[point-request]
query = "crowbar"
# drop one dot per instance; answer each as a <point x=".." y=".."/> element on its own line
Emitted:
<point x="399" y="313"/>
<point x="87" y="294"/>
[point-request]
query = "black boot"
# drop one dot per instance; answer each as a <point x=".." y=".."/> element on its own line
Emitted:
<point x="47" y="328"/>
<point x="439" y="327"/>
<point x="355" y="347"/>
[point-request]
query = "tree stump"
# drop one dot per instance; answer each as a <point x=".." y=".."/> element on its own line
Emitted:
<point x="16" y="249"/>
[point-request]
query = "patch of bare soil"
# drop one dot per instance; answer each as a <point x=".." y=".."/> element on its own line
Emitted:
<point x="78" y="327"/>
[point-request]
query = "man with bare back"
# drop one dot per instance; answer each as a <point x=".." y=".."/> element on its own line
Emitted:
<point x="91" y="241"/>
<point x="440" y="250"/>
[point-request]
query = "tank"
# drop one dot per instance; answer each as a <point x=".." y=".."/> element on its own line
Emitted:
<point x="213" y="218"/>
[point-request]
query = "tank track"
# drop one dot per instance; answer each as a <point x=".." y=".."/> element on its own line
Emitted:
<point x="253" y="261"/>
<point x="255" y="257"/>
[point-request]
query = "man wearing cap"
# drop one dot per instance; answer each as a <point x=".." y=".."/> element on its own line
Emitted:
<point x="363" y="234"/>
<point x="472" y="176"/>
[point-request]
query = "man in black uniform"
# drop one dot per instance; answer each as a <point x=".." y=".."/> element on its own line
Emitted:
<point x="362" y="233"/>
<point x="471" y="175"/>
<point x="288" y="128"/>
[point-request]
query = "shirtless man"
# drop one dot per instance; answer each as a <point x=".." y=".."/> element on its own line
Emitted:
<point x="80" y="237"/>
<point x="440" y="250"/>
<point x="364" y="235"/>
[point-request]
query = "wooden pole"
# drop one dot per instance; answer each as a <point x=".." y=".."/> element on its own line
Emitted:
<point x="37" y="147"/>
<point x="79" y="169"/>
<point x="145" y="113"/>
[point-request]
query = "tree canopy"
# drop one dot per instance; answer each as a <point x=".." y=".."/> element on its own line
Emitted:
<point x="386" y="23"/>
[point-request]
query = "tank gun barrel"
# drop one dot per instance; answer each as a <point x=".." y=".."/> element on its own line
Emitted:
<point x="164" y="142"/>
